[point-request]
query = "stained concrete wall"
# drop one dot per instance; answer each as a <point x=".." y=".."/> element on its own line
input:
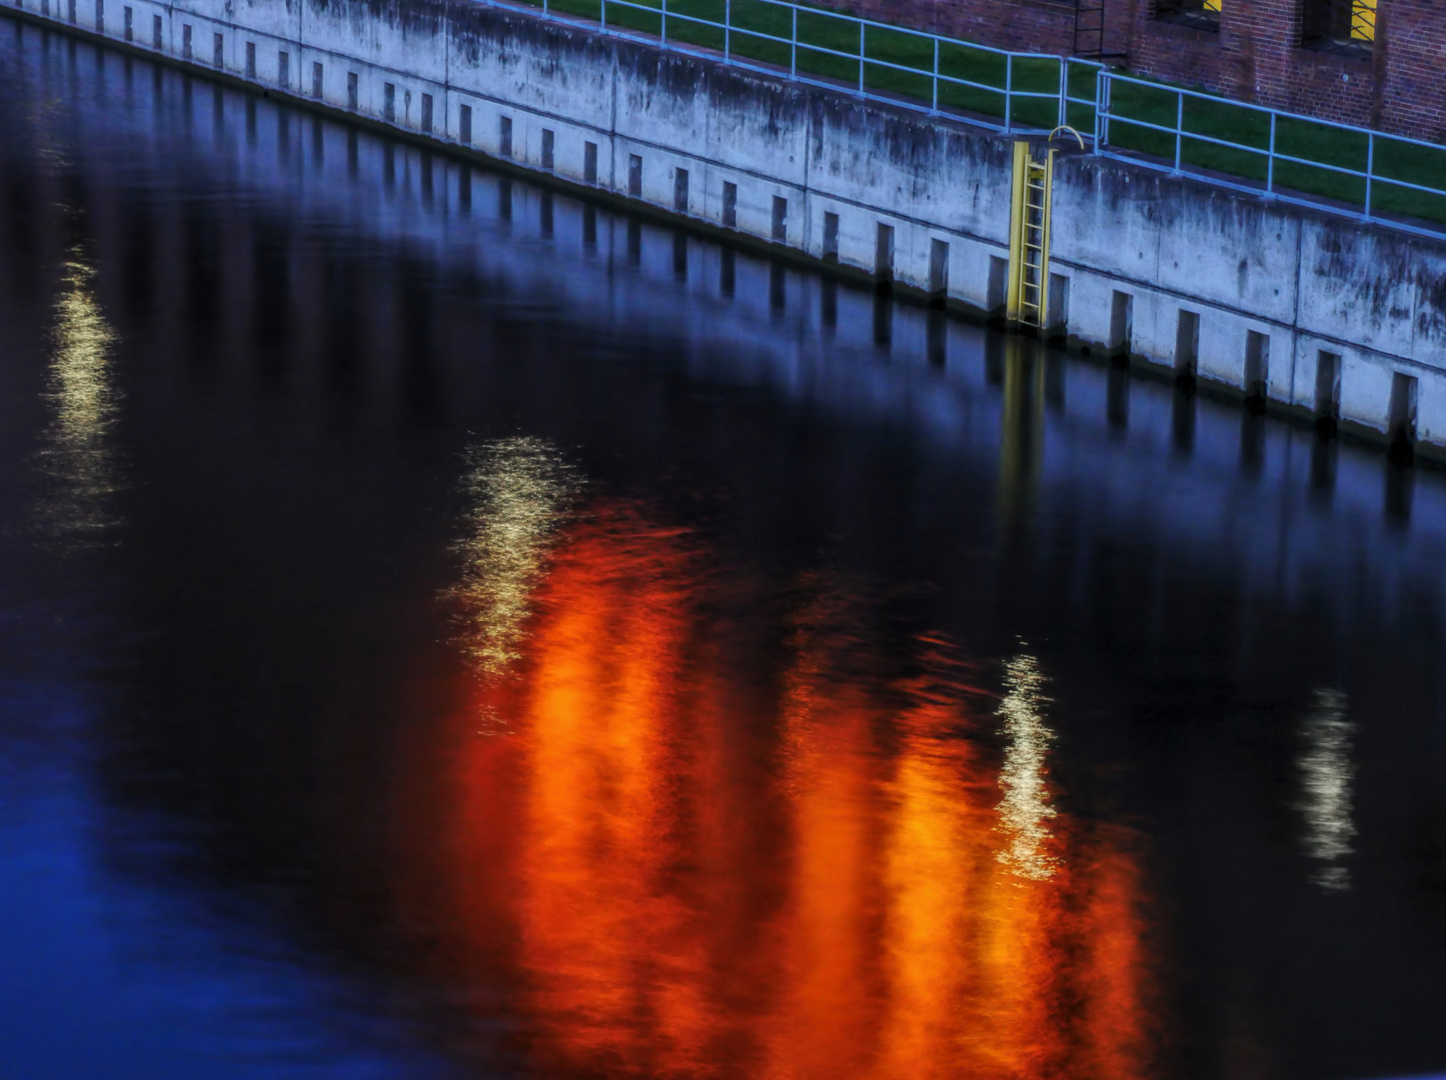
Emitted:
<point x="1303" y="283"/>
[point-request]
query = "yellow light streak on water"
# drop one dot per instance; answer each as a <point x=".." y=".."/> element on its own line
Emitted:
<point x="76" y="452"/>
<point x="1025" y="810"/>
<point x="517" y="491"/>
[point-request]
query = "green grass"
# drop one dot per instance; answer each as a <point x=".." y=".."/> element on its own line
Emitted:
<point x="901" y="64"/>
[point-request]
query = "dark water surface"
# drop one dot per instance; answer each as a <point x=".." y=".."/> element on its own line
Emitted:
<point x="452" y="630"/>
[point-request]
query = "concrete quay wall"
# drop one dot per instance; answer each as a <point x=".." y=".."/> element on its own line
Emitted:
<point x="1259" y="287"/>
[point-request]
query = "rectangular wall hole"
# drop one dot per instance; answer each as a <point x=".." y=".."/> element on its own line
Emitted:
<point x="352" y="91"/>
<point x="1257" y="365"/>
<point x="680" y="190"/>
<point x="283" y="68"/>
<point x="1187" y="344"/>
<point x="635" y="176"/>
<point x="730" y="205"/>
<point x="185" y="35"/>
<point x="1403" y="408"/>
<point x="589" y="162"/>
<point x="100" y="16"/>
<point x="1122" y="323"/>
<point x="998" y="283"/>
<point x="464" y="125"/>
<point x="780" y="219"/>
<point x="884" y="252"/>
<point x="426" y="114"/>
<point x="1327" y="386"/>
<point x="504" y="137"/>
<point x="251" y="59"/>
<point x="70" y="10"/>
<point x="129" y="19"/>
<point x="389" y="102"/>
<point x="1056" y="314"/>
<point x="157" y="32"/>
<point x="830" y="236"/>
<point x="218" y="50"/>
<point x="318" y="73"/>
<point x="549" y="142"/>
<point x="938" y="269"/>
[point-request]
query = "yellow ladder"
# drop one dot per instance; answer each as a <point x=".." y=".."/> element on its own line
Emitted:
<point x="1027" y="303"/>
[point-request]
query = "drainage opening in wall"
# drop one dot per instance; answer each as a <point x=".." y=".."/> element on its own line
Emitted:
<point x="1257" y="369"/>
<point x="884" y="257"/>
<point x="998" y="283"/>
<point x="830" y="236"/>
<point x="1327" y="392"/>
<point x="1122" y="326"/>
<point x="1403" y="418"/>
<point x="1187" y="348"/>
<point x="938" y="272"/>
<point x="1056" y="314"/>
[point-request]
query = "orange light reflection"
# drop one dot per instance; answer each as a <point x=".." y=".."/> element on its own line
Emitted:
<point x="708" y="871"/>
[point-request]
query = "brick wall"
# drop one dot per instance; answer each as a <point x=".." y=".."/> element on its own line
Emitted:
<point x="1255" y="56"/>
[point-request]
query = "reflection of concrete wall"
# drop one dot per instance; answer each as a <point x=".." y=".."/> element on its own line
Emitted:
<point x="1232" y="496"/>
<point x="1306" y="281"/>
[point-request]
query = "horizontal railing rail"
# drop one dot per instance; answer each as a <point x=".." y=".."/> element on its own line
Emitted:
<point x="1033" y="93"/>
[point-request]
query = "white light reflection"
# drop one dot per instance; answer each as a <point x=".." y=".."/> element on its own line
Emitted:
<point x="1326" y="776"/>
<point x="517" y="491"/>
<point x="76" y="452"/>
<point x="1025" y="810"/>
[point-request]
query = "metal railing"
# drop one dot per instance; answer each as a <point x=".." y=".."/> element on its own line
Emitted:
<point x="1051" y="90"/>
<point x="739" y="45"/>
<point x="1270" y="157"/>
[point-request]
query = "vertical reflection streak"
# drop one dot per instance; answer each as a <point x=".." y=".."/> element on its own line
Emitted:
<point x="1327" y="774"/>
<point x="516" y="491"/>
<point x="77" y="453"/>
<point x="1025" y="808"/>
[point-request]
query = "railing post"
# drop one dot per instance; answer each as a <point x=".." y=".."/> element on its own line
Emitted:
<point x="1270" y="161"/>
<point x="1179" y="128"/>
<point x="792" y="46"/>
<point x="1370" y="168"/>
<point x="935" y="107"/>
<point x="1008" y="89"/>
<point x="861" y="58"/>
<point x="603" y="13"/>
<point x="663" y="36"/>
<point x="1063" y="91"/>
<point x="727" y="27"/>
<point x="1102" y="109"/>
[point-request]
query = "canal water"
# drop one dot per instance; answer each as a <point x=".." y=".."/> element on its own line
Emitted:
<point x="452" y="629"/>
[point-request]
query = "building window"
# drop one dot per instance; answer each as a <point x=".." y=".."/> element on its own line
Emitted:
<point x="1345" y="27"/>
<point x="1200" y="14"/>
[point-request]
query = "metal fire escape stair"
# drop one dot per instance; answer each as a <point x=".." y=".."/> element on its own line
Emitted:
<point x="1089" y="32"/>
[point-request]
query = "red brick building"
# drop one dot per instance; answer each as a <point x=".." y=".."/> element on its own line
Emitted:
<point x="1377" y="63"/>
